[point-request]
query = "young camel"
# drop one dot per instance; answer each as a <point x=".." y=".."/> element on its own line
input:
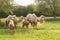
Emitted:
<point x="11" y="25"/>
<point x="25" y="23"/>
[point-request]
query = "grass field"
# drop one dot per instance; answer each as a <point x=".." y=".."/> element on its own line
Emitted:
<point x="50" y="30"/>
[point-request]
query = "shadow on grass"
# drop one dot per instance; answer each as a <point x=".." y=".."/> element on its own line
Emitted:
<point x="22" y="31"/>
<point x="5" y="32"/>
<point x="17" y="31"/>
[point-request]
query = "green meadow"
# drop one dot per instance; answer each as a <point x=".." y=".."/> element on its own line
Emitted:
<point x="49" y="30"/>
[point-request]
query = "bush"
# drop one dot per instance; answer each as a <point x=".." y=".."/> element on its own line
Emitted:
<point x="2" y="24"/>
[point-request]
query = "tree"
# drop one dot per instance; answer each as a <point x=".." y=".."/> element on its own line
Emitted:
<point x="49" y="6"/>
<point x="41" y="6"/>
<point x="54" y="7"/>
<point x="20" y="10"/>
<point x="6" y="7"/>
<point x="30" y="8"/>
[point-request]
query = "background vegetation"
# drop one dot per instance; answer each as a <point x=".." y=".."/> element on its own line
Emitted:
<point x="45" y="7"/>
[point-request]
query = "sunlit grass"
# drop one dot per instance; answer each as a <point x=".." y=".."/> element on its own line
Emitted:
<point x="48" y="24"/>
<point x="50" y="30"/>
<point x="30" y="35"/>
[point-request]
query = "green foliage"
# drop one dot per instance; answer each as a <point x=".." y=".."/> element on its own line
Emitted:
<point x="45" y="7"/>
<point x="2" y="24"/>
<point x="6" y="7"/>
<point x="23" y="10"/>
<point x="49" y="6"/>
